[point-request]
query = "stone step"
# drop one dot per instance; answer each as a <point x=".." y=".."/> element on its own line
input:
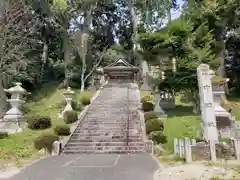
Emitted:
<point x="104" y="148"/>
<point x="82" y="139"/>
<point x="102" y="151"/>
<point x="102" y="131"/>
<point x="105" y="143"/>
<point x="100" y="138"/>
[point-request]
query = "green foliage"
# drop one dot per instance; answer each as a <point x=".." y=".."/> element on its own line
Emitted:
<point x="3" y="135"/>
<point x="76" y="105"/>
<point x="70" y="117"/>
<point x="158" y="137"/>
<point x="86" y="100"/>
<point x="150" y="115"/>
<point x="148" y="98"/>
<point x="45" y="141"/>
<point x="147" y="106"/>
<point x="154" y="125"/>
<point x="62" y="130"/>
<point x="39" y="122"/>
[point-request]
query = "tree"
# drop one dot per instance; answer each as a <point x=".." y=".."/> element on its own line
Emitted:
<point x="16" y="30"/>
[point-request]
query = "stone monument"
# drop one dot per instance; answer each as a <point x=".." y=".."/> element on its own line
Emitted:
<point x="206" y="103"/>
<point x="68" y="95"/>
<point x="157" y="107"/>
<point x="13" y="120"/>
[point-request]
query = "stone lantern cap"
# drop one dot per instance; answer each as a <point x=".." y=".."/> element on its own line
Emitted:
<point x="68" y="91"/>
<point x="16" y="89"/>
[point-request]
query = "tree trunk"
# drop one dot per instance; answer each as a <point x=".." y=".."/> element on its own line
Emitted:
<point x="44" y="58"/>
<point x="134" y="20"/>
<point x="196" y="103"/>
<point x="3" y="102"/>
<point x="66" y="50"/>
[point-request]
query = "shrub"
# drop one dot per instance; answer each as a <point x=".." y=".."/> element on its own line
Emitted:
<point x="77" y="106"/>
<point x="39" y="122"/>
<point x="3" y="135"/>
<point x="148" y="98"/>
<point x="154" y="125"/>
<point x="158" y="137"/>
<point x="85" y="100"/>
<point x="147" y="106"/>
<point x="45" y="141"/>
<point x="62" y="130"/>
<point x="70" y="117"/>
<point x="150" y="115"/>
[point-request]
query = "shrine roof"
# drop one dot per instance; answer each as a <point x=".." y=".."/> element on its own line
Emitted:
<point x="120" y="63"/>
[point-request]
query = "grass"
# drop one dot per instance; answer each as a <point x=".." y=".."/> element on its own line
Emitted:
<point x="18" y="148"/>
<point x="181" y="121"/>
<point x="234" y="104"/>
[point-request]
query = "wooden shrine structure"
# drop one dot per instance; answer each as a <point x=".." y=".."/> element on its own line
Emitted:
<point x="122" y="70"/>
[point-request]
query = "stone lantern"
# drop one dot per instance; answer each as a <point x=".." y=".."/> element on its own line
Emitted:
<point x="13" y="120"/>
<point x="157" y="108"/>
<point x="68" y="95"/>
<point x="100" y="73"/>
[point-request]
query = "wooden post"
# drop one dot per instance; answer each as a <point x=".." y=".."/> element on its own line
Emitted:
<point x="187" y="150"/>
<point x="176" y="146"/>
<point x="212" y="150"/>
<point x="236" y="148"/>
<point x="181" y="147"/>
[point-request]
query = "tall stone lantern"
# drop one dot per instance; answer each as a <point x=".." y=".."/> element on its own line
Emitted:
<point x="13" y="120"/>
<point x="100" y="73"/>
<point x="68" y="95"/>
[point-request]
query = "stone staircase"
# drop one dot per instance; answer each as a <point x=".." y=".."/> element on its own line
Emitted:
<point x="111" y="125"/>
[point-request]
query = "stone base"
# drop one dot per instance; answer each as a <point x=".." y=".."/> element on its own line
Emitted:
<point x="149" y="147"/>
<point x="11" y="127"/>
<point x="167" y="104"/>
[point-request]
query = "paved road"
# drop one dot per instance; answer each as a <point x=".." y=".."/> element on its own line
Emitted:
<point x="91" y="167"/>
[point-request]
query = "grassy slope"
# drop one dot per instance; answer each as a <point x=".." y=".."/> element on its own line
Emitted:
<point x="181" y="122"/>
<point x="234" y="103"/>
<point x="18" y="148"/>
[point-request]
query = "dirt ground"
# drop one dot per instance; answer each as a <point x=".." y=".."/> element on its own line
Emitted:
<point x="199" y="171"/>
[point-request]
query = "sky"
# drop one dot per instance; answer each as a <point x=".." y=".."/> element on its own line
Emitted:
<point x="177" y="13"/>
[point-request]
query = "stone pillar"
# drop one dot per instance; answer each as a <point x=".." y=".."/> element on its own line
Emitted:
<point x="188" y="150"/>
<point x="13" y="120"/>
<point x="174" y="68"/>
<point x="68" y="94"/>
<point x="206" y="103"/>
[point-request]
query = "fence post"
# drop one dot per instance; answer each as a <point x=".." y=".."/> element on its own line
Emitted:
<point x="181" y="147"/>
<point x="193" y="142"/>
<point x="212" y="150"/>
<point x="236" y="148"/>
<point x="188" y="150"/>
<point x="176" y="146"/>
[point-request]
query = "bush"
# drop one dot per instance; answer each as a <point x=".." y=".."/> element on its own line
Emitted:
<point x="75" y="105"/>
<point x="150" y="115"/>
<point x="70" y="117"/>
<point x="62" y="130"/>
<point x="147" y="106"/>
<point x="45" y="141"/>
<point x="158" y="137"/>
<point x="3" y="135"/>
<point x="148" y="98"/>
<point x="154" y="125"/>
<point x="39" y="122"/>
<point x="85" y="100"/>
